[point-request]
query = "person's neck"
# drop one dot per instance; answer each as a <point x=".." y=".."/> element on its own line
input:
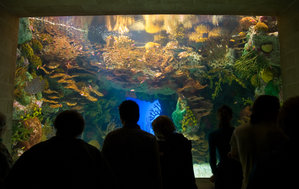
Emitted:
<point x="130" y="125"/>
<point x="66" y="136"/>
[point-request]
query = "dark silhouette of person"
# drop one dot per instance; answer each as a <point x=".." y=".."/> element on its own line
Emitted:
<point x="63" y="161"/>
<point x="133" y="153"/>
<point x="227" y="172"/>
<point x="251" y="141"/>
<point x="279" y="168"/>
<point x="5" y="157"/>
<point x="175" y="155"/>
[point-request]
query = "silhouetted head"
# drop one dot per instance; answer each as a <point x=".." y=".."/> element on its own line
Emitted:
<point x="129" y="112"/>
<point x="69" y="123"/>
<point x="288" y="118"/>
<point x="2" y="123"/>
<point x="163" y="126"/>
<point x="225" y="115"/>
<point x="265" y="109"/>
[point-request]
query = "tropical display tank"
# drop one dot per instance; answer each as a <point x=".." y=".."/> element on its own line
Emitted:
<point x="182" y="66"/>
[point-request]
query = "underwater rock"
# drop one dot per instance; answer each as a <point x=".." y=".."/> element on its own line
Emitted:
<point x="35" y="85"/>
<point x="25" y="33"/>
<point x="200" y="107"/>
<point x="35" y="125"/>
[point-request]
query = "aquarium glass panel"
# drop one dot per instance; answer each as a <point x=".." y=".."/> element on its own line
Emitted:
<point x="182" y="66"/>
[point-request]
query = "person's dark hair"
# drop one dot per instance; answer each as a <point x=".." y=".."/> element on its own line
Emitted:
<point x="288" y="118"/>
<point x="69" y="123"/>
<point x="265" y="108"/>
<point x="163" y="126"/>
<point x="129" y="111"/>
<point x="225" y="115"/>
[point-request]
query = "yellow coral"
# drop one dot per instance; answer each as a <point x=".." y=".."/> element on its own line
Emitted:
<point x="246" y="22"/>
<point x="189" y="119"/>
<point x="215" y="32"/>
<point x="201" y="29"/>
<point x="197" y="37"/>
<point x="266" y="75"/>
<point x="261" y="27"/>
<point x="153" y="24"/>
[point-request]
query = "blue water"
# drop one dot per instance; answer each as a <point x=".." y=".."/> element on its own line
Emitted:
<point x="148" y="112"/>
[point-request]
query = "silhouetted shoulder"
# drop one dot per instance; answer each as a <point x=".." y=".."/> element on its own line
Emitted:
<point x="179" y="139"/>
<point x="130" y="131"/>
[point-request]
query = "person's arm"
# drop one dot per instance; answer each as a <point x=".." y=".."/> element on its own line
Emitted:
<point x="106" y="148"/>
<point x="234" y="154"/>
<point x="19" y="172"/>
<point x="109" y="180"/>
<point x="157" y="165"/>
<point x="212" y="153"/>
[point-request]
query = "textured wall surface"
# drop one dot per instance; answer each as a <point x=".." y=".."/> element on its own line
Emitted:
<point x="98" y="7"/>
<point x="8" y="45"/>
<point x="289" y="51"/>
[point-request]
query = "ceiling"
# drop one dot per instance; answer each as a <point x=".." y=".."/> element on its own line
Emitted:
<point x="23" y="8"/>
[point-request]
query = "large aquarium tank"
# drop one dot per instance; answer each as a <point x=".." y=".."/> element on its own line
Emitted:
<point x="182" y="66"/>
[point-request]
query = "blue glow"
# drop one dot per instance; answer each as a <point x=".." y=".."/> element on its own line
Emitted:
<point x="148" y="112"/>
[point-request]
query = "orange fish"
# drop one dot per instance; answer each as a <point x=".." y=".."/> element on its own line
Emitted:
<point x="49" y="91"/>
<point x="71" y="104"/>
<point x="49" y="101"/>
<point x="56" y="105"/>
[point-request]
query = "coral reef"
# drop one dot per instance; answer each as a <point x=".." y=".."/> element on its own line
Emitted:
<point x="191" y="64"/>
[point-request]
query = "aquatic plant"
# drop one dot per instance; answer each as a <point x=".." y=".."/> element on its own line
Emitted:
<point x="48" y="130"/>
<point x="20" y="133"/>
<point x="179" y="34"/>
<point x="220" y="76"/>
<point x="26" y="50"/>
<point x="249" y="64"/>
<point x="36" y="46"/>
